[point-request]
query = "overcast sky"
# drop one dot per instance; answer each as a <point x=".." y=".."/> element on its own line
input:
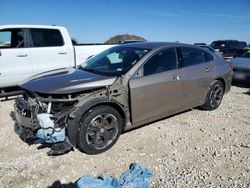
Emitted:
<point x="156" y="20"/>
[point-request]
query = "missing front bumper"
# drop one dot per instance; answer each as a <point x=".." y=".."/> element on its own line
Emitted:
<point x="35" y="127"/>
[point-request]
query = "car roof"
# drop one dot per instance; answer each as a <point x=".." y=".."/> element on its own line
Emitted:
<point x="23" y="26"/>
<point x="154" y="45"/>
<point x="227" y="41"/>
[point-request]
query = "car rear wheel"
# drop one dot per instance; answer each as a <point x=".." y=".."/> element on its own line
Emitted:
<point x="214" y="96"/>
<point x="100" y="128"/>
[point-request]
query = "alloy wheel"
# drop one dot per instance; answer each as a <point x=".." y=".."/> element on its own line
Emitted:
<point x="102" y="130"/>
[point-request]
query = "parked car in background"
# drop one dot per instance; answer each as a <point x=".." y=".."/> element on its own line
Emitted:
<point x="241" y="69"/>
<point x="220" y="54"/>
<point x="200" y="44"/>
<point x="230" y="48"/>
<point x="117" y="90"/>
<point x="26" y="50"/>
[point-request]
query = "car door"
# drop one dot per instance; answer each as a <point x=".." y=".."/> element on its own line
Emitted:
<point x="15" y="59"/>
<point x="198" y="73"/>
<point x="49" y="50"/>
<point x="158" y="91"/>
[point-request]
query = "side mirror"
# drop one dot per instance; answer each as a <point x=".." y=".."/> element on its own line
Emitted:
<point x="138" y="73"/>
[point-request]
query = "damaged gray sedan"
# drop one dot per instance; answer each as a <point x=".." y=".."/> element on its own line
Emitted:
<point x="120" y="89"/>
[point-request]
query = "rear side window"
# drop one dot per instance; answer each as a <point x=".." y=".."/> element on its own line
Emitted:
<point x="46" y="37"/>
<point x="162" y="61"/>
<point x="208" y="57"/>
<point x="12" y="38"/>
<point x="191" y="56"/>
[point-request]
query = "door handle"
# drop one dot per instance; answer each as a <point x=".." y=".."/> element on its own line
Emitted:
<point x="207" y="69"/>
<point x="62" y="53"/>
<point x="22" y="55"/>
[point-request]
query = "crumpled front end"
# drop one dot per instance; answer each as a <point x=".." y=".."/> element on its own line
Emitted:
<point x="41" y="119"/>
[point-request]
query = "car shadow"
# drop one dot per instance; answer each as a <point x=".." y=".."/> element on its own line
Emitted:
<point x="58" y="184"/>
<point x="242" y="85"/>
<point x="12" y="115"/>
<point x="247" y="93"/>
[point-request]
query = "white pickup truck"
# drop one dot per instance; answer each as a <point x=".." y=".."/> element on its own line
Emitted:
<point x="26" y="50"/>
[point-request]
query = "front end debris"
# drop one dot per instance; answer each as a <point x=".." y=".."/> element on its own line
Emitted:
<point x="39" y="120"/>
<point x="53" y="119"/>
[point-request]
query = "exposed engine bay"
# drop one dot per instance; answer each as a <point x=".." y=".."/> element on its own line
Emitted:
<point x="43" y="120"/>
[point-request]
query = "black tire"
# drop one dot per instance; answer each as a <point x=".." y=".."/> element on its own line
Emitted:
<point x="100" y="128"/>
<point x="214" y="96"/>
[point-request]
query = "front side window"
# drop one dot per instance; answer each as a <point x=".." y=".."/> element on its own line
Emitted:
<point x="115" y="61"/>
<point x="12" y="38"/>
<point x="46" y="37"/>
<point x="191" y="56"/>
<point x="164" y="60"/>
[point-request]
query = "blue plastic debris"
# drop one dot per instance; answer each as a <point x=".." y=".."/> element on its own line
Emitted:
<point x="48" y="133"/>
<point x="136" y="177"/>
<point x="90" y="182"/>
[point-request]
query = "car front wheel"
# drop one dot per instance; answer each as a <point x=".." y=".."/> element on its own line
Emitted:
<point x="100" y="128"/>
<point x="214" y="96"/>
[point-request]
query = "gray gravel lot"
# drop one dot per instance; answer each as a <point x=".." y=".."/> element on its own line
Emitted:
<point x="192" y="149"/>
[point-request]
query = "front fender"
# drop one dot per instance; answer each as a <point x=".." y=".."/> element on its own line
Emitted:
<point x="73" y="125"/>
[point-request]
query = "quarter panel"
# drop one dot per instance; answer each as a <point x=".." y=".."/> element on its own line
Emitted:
<point x="197" y="79"/>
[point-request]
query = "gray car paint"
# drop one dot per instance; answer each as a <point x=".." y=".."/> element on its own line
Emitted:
<point x="67" y="81"/>
<point x="143" y="99"/>
<point x="196" y="80"/>
<point x="150" y="100"/>
<point x="155" y="96"/>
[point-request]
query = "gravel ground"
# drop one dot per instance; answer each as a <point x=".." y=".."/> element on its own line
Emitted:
<point x="192" y="149"/>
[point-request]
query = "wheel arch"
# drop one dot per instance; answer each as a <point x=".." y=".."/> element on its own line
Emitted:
<point x="222" y="81"/>
<point x="207" y="105"/>
<point x="73" y="120"/>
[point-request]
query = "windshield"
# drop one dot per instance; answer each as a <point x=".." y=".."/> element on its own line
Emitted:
<point x="246" y="55"/>
<point x="115" y="61"/>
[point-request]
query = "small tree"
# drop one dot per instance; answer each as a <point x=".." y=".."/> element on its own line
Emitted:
<point x="126" y="37"/>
